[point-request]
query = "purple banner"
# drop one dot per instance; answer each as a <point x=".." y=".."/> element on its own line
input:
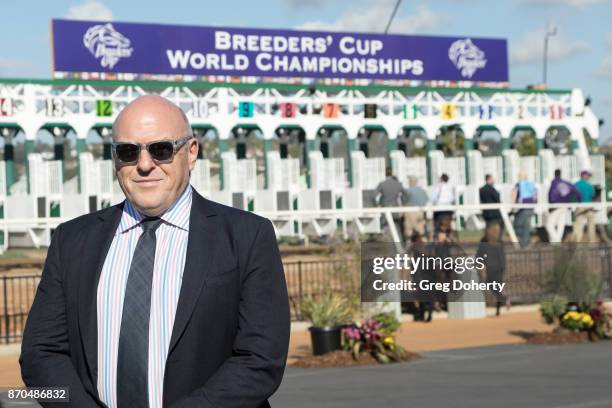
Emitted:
<point x="89" y="46"/>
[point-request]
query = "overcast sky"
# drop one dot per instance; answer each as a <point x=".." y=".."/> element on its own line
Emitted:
<point x="580" y="54"/>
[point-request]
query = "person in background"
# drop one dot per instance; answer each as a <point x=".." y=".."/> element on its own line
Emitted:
<point x="390" y="193"/>
<point x="494" y="255"/>
<point x="561" y="191"/>
<point x="585" y="216"/>
<point x="414" y="221"/>
<point x="489" y="195"/>
<point x="444" y="194"/>
<point x="524" y="192"/>
<point x="425" y="300"/>
<point x="443" y="241"/>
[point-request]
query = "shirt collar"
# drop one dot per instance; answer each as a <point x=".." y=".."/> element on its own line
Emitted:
<point x="177" y="215"/>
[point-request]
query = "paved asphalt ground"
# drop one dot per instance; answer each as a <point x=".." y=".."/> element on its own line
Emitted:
<point x="513" y="376"/>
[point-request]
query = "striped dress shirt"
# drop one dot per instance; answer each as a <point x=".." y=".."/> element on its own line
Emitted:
<point x="170" y="253"/>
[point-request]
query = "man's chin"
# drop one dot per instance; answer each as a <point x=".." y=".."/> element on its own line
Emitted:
<point x="148" y="208"/>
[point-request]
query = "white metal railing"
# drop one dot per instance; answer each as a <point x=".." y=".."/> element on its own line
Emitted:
<point x="46" y="102"/>
<point x="283" y="174"/>
<point x="239" y="175"/>
<point x="403" y="167"/>
<point x="200" y="177"/>
<point x="326" y="174"/>
<point x="367" y="172"/>
<point x="352" y="215"/>
<point x="2" y="178"/>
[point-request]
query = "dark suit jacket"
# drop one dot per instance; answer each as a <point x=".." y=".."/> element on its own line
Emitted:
<point x="231" y="332"/>
<point x="489" y="195"/>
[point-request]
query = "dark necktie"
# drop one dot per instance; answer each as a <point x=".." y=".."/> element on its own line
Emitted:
<point x="133" y="353"/>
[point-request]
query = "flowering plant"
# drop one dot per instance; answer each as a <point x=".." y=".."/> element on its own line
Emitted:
<point x="376" y="336"/>
<point x="595" y="320"/>
<point x="577" y="321"/>
<point x="601" y="320"/>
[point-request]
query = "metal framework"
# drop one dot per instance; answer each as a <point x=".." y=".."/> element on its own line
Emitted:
<point x="79" y="105"/>
<point x="83" y="105"/>
<point x="31" y="105"/>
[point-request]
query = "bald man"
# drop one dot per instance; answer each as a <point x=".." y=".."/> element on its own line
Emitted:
<point x="164" y="300"/>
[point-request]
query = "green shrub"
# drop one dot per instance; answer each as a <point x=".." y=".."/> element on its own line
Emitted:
<point x="552" y="307"/>
<point x="327" y="310"/>
<point x="569" y="279"/>
<point x="388" y="323"/>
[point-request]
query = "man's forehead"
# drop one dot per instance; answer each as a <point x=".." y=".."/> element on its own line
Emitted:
<point x="150" y="110"/>
<point x="150" y="115"/>
<point x="151" y="102"/>
<point x="146" y="123"/>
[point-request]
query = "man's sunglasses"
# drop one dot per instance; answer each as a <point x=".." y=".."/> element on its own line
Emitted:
<point x="159" y="150"/>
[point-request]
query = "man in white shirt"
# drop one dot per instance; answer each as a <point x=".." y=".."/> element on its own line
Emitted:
<point x="443" y="195"/>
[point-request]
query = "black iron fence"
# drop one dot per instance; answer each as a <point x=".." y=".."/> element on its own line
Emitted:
<point x="309" y="278"/>
<point x="16" y="297"/>
<point x="524" y="277"/>
<point x="527" y="270"/>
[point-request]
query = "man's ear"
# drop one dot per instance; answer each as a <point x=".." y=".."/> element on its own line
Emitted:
<point x="193" y="152"/>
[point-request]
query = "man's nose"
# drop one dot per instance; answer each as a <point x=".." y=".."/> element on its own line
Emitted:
<point x="145" y="162"/>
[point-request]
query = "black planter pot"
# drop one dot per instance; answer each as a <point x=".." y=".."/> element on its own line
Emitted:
<point x="325" y="339"/>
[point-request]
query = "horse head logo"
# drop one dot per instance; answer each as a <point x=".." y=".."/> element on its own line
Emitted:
<point x="107" y="44"/>
<point x="467" y="57"/>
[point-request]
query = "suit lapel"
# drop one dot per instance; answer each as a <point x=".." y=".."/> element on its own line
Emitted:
<point x="201" y="248"/>
<point x="97" y="244"/>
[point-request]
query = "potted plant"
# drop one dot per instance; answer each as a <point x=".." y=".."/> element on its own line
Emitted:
<point x="327" y="313"/>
